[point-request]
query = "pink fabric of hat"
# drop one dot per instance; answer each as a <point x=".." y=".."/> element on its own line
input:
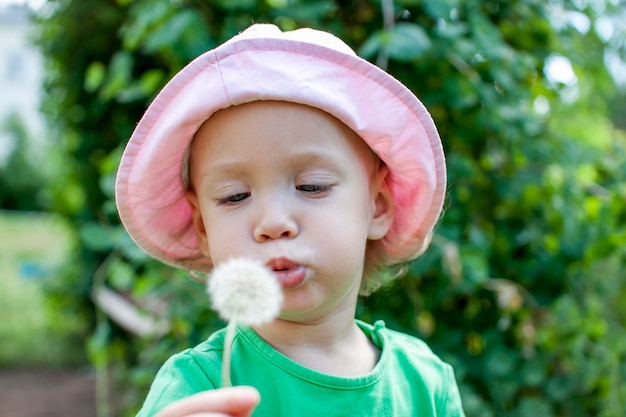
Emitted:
<point x="304" y="66"/>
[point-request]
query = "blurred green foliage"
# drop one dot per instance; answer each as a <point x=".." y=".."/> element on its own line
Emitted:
<point x="522" y="290"/>
<point x="32" y="247"/>
<point x="22" y="181"/>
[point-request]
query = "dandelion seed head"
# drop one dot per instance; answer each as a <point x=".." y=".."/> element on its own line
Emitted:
<point x="246" y="289"/>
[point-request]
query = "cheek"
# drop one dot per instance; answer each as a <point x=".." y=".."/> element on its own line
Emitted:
<point x="223" y="237"/>
<point x="344" y="229"/>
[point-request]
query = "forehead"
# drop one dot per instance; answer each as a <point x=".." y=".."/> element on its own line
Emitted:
<point x="284" y="128"/>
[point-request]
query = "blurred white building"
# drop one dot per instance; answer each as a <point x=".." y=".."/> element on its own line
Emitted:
<point x="21" y="72"/>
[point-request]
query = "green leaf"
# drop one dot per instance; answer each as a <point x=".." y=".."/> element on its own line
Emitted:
<point x="119" y="74"/>
<point x="170" y="30"/>
<point x="142" y="88"/>
<point x="305" y="11"/>
<point x="440" y="9"/>
<point x="372" y="46"/>
<point x="151" y="80"/>
<point x="94" y="77"/>
<point x="121" y="275"/>
<point x="277" y="4"/>
<point x="147" y="15"/>
<point x="453" y="31"/>
<point x="406" y="42"/>
<point x="475" y="266"/>
<point x="533" y="407"/>
<point x="561" y="387"/>
<point x="101" y="238"/>
<point x="130" y="249"/>
<point x="107" y="184"/>
<point x="533" y="372"/>
<point x="97" y="345"/>
<point x="233" y="5"/>
<point x="500" y="361"/>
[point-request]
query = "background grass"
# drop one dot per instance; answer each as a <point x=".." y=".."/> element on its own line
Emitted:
<point x="32" y="334"/>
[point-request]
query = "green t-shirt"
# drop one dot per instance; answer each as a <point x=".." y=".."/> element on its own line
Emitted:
<point x="408" y="380"/>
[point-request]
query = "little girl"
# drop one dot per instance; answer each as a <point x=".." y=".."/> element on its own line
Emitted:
<point x="289" y="149"/>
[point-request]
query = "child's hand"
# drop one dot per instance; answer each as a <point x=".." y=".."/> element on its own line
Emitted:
<point x="224" y="402"/>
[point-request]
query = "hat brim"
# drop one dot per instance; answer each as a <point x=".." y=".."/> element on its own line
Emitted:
<point x="150" y="191"/>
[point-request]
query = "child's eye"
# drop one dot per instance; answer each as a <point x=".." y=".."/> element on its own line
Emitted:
<point x="233" y="199"/>
<point x="314" y="188"/>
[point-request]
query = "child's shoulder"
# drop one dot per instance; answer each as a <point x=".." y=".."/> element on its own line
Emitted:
<point x="380" y="333"/>
<point x="411" y="364"/>
<point x="213" y="347"/>
<point x="404" y="347"/>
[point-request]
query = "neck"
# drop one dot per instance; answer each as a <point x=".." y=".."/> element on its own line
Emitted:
<point x="334" y="345"/>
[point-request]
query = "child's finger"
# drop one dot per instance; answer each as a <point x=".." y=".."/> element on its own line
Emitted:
<point x="234" y="401"/>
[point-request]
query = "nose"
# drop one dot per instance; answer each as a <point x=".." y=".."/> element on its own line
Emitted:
<point x="274" y="222"/>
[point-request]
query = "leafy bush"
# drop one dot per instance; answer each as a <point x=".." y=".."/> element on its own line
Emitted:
<point x="522" y="289"/>
<point x="22" y="179"/>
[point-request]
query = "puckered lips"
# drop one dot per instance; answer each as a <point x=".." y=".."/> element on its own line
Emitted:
<point x="288" y="273"/>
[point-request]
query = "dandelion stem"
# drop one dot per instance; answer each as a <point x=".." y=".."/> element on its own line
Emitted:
<point x="228" y="350"/>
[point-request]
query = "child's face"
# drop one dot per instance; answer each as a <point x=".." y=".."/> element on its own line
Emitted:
<point x="293" y="187"/>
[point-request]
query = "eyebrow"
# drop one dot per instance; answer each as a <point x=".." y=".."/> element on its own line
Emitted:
<point x="305" y="157"/>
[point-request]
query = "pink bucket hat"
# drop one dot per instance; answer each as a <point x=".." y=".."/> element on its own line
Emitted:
<point x="304" y="66"/>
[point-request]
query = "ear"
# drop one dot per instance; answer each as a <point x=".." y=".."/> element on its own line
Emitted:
<point x="198" y="224"/>
<point x="382" y="217"/>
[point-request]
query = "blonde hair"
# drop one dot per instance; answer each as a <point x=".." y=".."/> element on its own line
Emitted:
<point x="383" y="261"/>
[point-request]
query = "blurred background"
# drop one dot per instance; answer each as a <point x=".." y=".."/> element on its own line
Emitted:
<point x="522" y="291"/>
